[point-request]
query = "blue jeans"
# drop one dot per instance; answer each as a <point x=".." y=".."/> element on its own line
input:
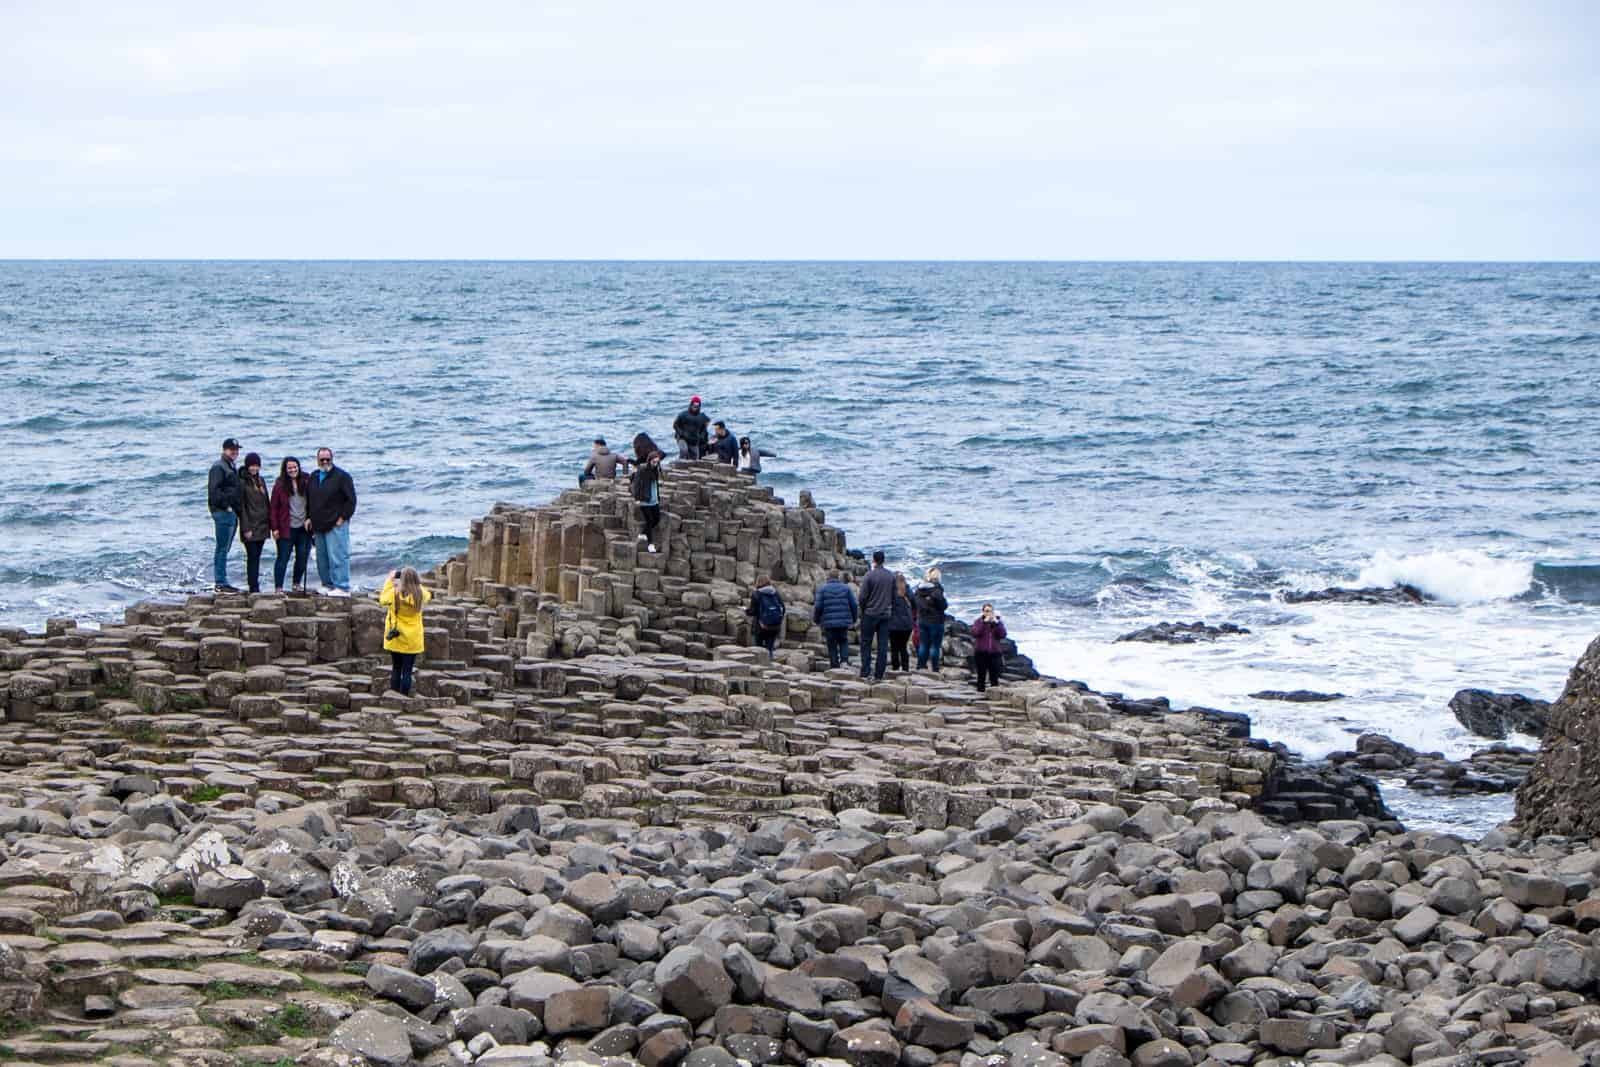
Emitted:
<point x="299" y="543"/>
<point x="333" y="557"/>
<point x="874" y="627"/>
<point x="227" y="524"/>
<point x="838" y="644"/>
<point x="930" y="644"/>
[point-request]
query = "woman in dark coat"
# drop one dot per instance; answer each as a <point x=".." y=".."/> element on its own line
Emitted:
<point x="255" y="519"/>
<point x="902" y="618"/>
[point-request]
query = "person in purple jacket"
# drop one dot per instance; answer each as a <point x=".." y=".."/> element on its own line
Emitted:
<point x="987" y="633"/>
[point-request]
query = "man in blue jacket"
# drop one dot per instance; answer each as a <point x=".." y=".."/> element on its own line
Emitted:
<point x="835" y="612"/>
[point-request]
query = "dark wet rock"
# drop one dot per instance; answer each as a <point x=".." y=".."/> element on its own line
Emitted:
<point x="1395" y="594"/>
<point x="1297" y="696"/>
<point x="1495" y="715"/>
<point x="1183" y="633"/>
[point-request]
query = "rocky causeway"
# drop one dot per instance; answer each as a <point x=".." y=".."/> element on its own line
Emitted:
<point x="607" y="830"/>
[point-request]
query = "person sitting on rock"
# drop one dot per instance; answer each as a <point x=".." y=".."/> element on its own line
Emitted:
<point x="690" y="430"/>
<point x="404" y="596"/>
<point x="646" y="486"/>
<point x="603" y="463"/>
<point x="724" y="444"/>
<point x="767" y="610"/>
<point x="835" y="611"/>
<point x="988" y="631"/>
<point x="748" y="461"/>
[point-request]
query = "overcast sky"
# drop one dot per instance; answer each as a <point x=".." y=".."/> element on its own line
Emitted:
<point x="994" y="130"/>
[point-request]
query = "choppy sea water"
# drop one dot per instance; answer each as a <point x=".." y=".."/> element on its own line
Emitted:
<point x="1094" y="447"/>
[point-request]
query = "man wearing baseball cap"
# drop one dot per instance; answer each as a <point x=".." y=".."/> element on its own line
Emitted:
<point x="222" y="500"/>
<point x="690" y="430"/>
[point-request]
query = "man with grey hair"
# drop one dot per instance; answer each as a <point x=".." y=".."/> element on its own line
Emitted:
<point x="329" y="507"/>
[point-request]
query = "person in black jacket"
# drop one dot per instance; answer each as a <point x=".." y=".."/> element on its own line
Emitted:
<point x="690" y="430"/>
<point x="931" y="608"/>
<point x="255" y="519"/>
<point x="902" y="617"/>
<point x="646" y="486"/>
<point x="724" y="443"/>
<point x="330" y="505"/>
<point x="222" y="500"/>
<point x="877" y="605"/>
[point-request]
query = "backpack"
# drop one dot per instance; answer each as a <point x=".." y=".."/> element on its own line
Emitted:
<point x="769" y="609"/>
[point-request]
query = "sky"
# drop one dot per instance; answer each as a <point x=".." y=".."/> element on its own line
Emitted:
<point x="890" y="130"/>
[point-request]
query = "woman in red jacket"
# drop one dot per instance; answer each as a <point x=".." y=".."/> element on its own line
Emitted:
<point x="987" y="633"/>
<point x="291" y="529"/>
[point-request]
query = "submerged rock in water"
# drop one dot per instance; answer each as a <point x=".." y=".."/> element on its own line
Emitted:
<point x="1562" y="793"/>
<point x="1395" y="594"/>
<point x="1494" y="715"/>
<point x="1183" y="633"/>
<point x="1296" y="696"/>
<point x="1496" y="769"/>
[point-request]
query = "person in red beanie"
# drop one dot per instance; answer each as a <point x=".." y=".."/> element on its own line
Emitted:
<point x="690" y="430"/>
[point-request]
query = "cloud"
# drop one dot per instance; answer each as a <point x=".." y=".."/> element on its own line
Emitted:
<point x="609" y="128"/>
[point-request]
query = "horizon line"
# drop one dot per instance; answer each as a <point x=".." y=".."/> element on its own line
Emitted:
<point x="781" y="260"/>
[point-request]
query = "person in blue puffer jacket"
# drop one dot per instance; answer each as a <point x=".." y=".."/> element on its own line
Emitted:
<point x="835" y="611"/>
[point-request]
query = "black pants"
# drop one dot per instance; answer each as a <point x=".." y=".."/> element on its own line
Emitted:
<point x="838" y="644"/>
<point x="874" y="628"/>
<point x="252" y="565"/>
<point x="299" y="543"/>
<point x="899" y="658"/>
<point x="651" y="513"/>
<point x="988" y="664"/>
<point x="401" y="666"/>
<point x="767" y="639"/>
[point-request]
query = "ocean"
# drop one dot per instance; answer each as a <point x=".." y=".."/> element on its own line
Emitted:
<point x="1093" y="446"/>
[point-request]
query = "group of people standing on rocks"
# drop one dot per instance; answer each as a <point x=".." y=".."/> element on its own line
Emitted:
<point x="300" y="511"/>
<point x="697" y="437"/>
<point x="889" y="616"/>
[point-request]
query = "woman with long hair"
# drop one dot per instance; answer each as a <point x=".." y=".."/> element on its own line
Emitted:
<point x="404" y="596"/>
<point x="255" y="519"/>
<point x="902" y="620"/>
<point x="291" y="529"/>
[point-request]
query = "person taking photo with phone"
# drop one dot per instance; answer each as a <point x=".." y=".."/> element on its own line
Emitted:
<point x="404" y="596"/>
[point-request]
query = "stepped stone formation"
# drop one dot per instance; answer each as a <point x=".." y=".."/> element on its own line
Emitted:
<point x="606" y="830"/>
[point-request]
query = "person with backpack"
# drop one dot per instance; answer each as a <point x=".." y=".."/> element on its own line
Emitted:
<point x="835" y="611"/>
<point x="766" y="608"/>
<point x="902" y="617"/>
<point x="988" y="631"/>
<point x="931" y="608"/>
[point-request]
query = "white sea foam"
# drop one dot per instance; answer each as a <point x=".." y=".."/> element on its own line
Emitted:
<point x="1398" y="666"/>
<point x="1457" y="576"/>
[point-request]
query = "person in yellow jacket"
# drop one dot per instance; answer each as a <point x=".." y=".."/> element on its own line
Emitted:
<point x="404" y="596"/>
